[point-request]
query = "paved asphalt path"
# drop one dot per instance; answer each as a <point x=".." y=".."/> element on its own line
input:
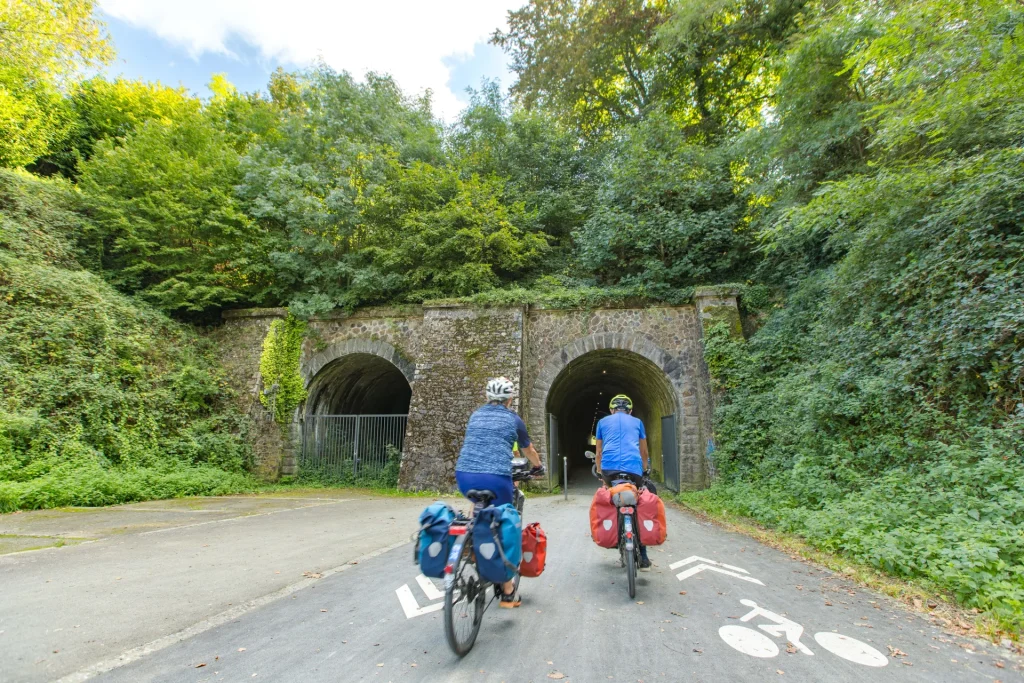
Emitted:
<point x="578" y="624"/>
<point x="142" y="575"/>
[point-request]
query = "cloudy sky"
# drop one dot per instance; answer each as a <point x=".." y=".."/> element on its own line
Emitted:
<point x="435" y="44"/>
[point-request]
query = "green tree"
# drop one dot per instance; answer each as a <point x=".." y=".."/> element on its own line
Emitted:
<point x="427" y="232"/>
<point x="167" y="225"/>
<point x="669" y="214"/>
<point x="98" y="109"/>
<point x="594" y="63"/>
<point x="606" y="64"/>
<point x="719" y="61"/>
<point x="334" y="143"/>
<point x="44" y="46"/>
<point x="543" y="161"/>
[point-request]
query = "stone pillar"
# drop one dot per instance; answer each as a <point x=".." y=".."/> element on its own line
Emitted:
<point x="714" y="305"/>
<point x="239" y="343"/>
<point x="462" y="348"/>
<point x="718" y="304"/>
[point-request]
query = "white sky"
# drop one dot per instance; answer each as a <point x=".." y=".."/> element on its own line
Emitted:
<point x="405" y="38"/>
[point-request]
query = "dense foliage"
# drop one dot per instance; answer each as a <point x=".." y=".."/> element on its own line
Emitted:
<point x="881" y="412"/>
<point x="103" y="398"/>
<point x="856" y="165"/>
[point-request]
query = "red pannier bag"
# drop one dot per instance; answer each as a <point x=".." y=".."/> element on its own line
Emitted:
<point x="650" y="512"/>
<point x="604" y="519"/>
<point x="535" y="551"/>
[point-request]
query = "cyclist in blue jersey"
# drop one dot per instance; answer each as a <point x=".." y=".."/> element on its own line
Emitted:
<point x="485" y="461"/>
<point x="622" y="448"/>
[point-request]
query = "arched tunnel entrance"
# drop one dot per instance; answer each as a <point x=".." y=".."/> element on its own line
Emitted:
<point x="353" y="426"/>
<point x="579" y="397"/>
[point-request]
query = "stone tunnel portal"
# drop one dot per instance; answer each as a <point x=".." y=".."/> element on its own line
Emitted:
<point x="355" y="418"/>
<point x="579" y="397"/>
<point x="359" y="384"/>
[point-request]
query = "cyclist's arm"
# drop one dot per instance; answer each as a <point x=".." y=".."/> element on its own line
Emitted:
<point x="531" y="454"/>
<point x="597" y="459"/>
<point x="525" y="444"/>
<point x="644" y="455"/>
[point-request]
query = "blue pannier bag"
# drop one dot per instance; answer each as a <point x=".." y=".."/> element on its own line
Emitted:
<point x="498" y="542"/>
<point x="434" y="541"/>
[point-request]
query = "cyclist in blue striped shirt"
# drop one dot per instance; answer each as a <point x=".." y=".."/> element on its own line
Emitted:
<point x="485" y="461"/>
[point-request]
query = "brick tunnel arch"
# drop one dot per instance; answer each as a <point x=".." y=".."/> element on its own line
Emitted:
<point x="580" y="379"/>
<point x="357" y="405"/>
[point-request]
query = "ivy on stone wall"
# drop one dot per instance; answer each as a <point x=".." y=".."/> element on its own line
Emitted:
<point x="283" y="388"/>
<point x="726" y="356"/>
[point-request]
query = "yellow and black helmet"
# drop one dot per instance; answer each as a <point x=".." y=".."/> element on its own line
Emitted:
<point x="620" y="402"/>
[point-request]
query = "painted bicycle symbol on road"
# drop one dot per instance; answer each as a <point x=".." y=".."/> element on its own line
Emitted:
<point x="756" y="644"/>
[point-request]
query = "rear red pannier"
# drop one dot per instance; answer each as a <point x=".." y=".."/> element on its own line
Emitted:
<point x="535" y="551"/>
<point x="604" y="520"/>
<point x="650" y="512"/>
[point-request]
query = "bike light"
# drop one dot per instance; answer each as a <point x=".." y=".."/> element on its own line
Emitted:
<point x="448" y="569"/>
<point x="456" y="531"/>
<point x="629" y="534"/>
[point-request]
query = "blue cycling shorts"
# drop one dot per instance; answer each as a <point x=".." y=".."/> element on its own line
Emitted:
<point x="500" y="485"/>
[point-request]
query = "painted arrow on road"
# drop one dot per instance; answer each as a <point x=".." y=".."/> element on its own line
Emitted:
<point x="706" y="564"/>
<point x="408" y="600"/>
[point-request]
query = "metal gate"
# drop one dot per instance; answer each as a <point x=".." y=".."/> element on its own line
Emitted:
<point x="554" y="457"/>
<point x="350" y="447"/>
<point x="670" y="452"/>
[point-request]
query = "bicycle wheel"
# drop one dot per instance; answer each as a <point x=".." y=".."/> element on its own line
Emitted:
<point x="464" y="605"/>
<point x="631" y="573"/>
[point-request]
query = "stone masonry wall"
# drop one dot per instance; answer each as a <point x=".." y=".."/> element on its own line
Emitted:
<point x="448" y="353"/>
<point x="461" y="348"/>
<point x="399" y="326"/>
<point x="240" y="343"/>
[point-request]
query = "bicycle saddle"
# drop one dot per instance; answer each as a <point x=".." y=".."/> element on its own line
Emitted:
<point x="481" y="495"/>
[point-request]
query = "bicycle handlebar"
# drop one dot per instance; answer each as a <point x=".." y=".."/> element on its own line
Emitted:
<point x="520" y="473"/>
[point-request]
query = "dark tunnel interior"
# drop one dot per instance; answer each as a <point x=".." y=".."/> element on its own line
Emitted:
<point x="359" y="384"/>
<point x="579" y="398"/>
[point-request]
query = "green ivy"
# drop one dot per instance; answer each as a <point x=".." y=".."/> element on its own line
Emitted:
<point x="283" y="388"/>
<point x="726" y="356"/>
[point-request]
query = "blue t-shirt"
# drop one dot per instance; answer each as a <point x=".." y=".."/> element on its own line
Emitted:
<point x="620" y="435"/>
<point x="487" y="447"/>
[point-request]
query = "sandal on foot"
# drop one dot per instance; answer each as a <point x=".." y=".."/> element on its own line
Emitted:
<point x="510" y="601"/>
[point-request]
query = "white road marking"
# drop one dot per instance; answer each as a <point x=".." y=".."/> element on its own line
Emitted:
<point x="783" y="627"/>
<point x="410" y="606"/>
<point x="429" y="589"/>
<point x="695" y="558"/>
<point x="682" y="576"/>
<point x="748" y="641"/>
<point x="850" y="649"/>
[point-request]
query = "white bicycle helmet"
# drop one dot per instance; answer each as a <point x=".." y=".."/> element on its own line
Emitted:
<point x="500" y="389"/>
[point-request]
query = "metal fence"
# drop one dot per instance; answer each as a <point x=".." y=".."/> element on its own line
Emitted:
<point x="350" y="447"/>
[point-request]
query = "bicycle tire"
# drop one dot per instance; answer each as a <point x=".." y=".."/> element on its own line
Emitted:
<point x="520" y="500"/>
<point x="630" y="561"/>
<point x="469" y="591"/>
<point x="631" y="574"/>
